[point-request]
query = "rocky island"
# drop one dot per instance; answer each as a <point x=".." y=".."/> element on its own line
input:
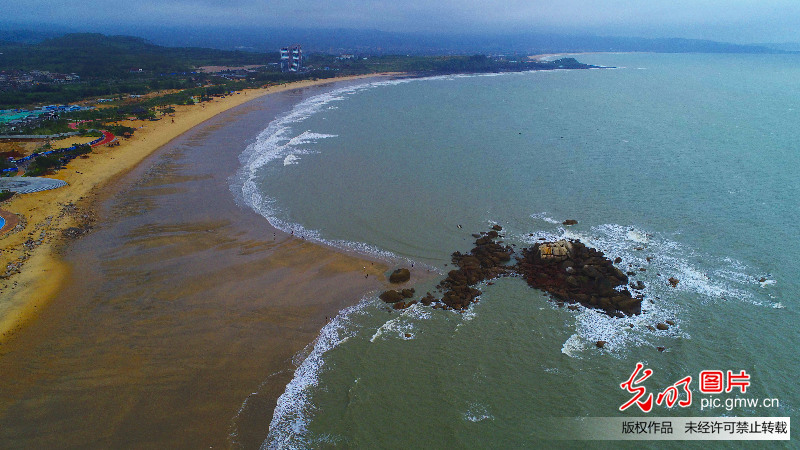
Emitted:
<point x="567" y="269"/>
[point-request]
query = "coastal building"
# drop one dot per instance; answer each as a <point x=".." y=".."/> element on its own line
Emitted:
<point x="292" y="58"/>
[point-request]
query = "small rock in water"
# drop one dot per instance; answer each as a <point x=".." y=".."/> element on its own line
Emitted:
<point x="569" y="222"/>
<point x="662" y="326"/>
<point x="673" y="281"/>
<point x="496" y="227"/>
<point x="601" y="344"/>
<point x="661" y="349"/>
<point x="617" y="260"/>
<point x="670" y="322"/>
<point x="639" y="285"/>
<point x="762" y="279"/>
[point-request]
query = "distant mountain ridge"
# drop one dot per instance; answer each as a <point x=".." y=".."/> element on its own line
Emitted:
<point x="121" y="56"/>
<point x="332" y="41"/>
<point x="97" y="55"/>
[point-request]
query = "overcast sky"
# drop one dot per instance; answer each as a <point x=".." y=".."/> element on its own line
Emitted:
<point x="739" y="21"/>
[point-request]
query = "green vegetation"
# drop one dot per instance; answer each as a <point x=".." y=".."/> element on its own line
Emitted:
<point x="46" y="163"/>
<point x="119" y="130"/>
<point x="5" y="195"/>
<point x="121" y="67"/>
<point x="42" y="164"/>
<point x="123" y="57"/>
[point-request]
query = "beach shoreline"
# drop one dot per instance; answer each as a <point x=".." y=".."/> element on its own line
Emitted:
<point x="31" y="249"/>
<point x="181" y="315"/>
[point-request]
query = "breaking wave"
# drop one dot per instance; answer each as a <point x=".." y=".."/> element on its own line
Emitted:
<point x="653" y="259"/>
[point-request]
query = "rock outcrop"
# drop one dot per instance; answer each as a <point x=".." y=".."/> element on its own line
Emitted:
<point x="485" y="261"/>
<point x="572" y="272"/>
<point x="569" y="270"/>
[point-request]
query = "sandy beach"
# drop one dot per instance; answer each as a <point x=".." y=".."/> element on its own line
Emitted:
<point x="175" y="322"/>
<point x="31" y="248"/>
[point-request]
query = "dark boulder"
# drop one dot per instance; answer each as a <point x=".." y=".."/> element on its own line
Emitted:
<point x="400" y="276"/>
<point x="391" y="296"/>
<point x="639" y="285"/>
<point x="569" y="222"/>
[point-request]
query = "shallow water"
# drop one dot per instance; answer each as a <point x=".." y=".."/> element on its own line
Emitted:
<point x="682" y="165"/>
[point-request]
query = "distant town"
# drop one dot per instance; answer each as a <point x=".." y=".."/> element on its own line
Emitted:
<point x="17" y="79"/>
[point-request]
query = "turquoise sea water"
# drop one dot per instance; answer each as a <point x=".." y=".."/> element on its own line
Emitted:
<point x="685" y="166"/>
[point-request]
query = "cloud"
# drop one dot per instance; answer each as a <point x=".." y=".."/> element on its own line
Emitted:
<point x="757" y="20"/>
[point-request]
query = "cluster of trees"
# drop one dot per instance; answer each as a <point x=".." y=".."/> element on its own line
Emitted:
<point x="45" y="163"/>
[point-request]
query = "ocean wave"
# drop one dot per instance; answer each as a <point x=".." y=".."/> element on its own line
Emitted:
<point x="402" y="326"/>
<point x="545" y="217"/>
<point x="287" y="430"/>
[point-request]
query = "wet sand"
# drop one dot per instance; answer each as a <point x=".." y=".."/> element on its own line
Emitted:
<point x="180" y="313"/>
<point x="31" y="247"/>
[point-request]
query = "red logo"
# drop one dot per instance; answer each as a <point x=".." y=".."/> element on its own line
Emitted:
<point x="711" y="382"/>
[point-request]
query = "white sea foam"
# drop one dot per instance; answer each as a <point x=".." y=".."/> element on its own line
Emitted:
<point x="291" y="159"/>
<point x="662" y="258"/>
<point x="546" y="218"/>
<point x="573" y="346"/>
<point x="477" y="412"/>
<point x="294" y="408"/>
<point x="403" y="326"/>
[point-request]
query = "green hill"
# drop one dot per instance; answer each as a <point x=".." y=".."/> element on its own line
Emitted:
<point x="95" y="55"/>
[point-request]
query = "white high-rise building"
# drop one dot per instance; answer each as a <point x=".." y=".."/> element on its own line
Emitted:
<point x="292" y="58"/>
